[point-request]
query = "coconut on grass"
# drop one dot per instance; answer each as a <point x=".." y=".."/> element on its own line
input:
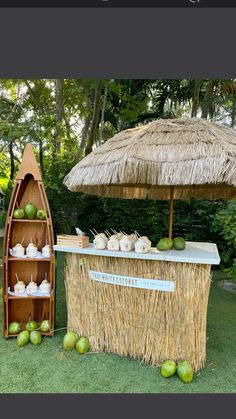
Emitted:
<point x="69" y="341"/>
<point x="35" y="337"/>
<point x="82" y="345"/>
<point x="185" y="371"/>
<point x="31" y="325"/>
<point x="23" y="338"/>
<point x="168" y="368"/>
<point x="45" y="326"/>
<point x="14" y="328"/>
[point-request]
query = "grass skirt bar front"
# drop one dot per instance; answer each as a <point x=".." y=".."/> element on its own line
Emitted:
<point x="149" y="325"/>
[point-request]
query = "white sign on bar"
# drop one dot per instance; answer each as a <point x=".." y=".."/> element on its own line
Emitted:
<point x="131" y="281"/>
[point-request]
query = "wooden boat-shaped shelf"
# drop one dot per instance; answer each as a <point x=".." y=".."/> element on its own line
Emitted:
<point x="28" y="188"/>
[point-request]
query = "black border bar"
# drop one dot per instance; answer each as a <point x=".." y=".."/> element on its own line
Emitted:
<point x="117" y="43"/>
<point x="118" y="3"/>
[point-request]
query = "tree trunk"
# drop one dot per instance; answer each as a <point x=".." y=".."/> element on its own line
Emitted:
<point x="67" y="126"/>
<point x="88" y="119"/>
<point x="85" y="131"/>
<point x="59" y="111"/>
<point x="161" y="110"/>
<point x="196" y="93"/>
<point x="233" y="113"/>
<point x="208" y="99"/>
<point x="12" y="160"/>
<point x="102" y="116"/>
<point x="41" y="156"/>
<point x="95" y="119"/>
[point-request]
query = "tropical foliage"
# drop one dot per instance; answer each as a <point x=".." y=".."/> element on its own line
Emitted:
<point x="66" y="118"/>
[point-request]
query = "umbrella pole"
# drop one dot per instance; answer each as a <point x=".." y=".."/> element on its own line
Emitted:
<point x="171" y="211"/>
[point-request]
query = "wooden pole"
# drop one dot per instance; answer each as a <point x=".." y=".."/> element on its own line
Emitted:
<point x="171" y="208"/>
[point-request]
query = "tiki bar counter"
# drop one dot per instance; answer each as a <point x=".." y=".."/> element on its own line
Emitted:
<point x="150" y="306"/>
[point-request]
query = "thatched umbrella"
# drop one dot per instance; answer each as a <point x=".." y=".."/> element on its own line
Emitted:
<point x="164" y="159"/>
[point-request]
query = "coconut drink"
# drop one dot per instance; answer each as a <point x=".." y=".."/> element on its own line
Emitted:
<point x="146" y="240"/>
<point x="119" y="235"/>
<point x="133" y="240"/>
<point x="141" y="246"/>
<point x="18" y="251"/>
<point x="32" y="287"/>
<point x="103" y="235"/>
<point x="134" y="237"/>
<point x="114" y="237"/>
<point x="99" y="243"/>
<point x="45" y="286"/>
<point x="31" y="250"/>
<point x="113" y="244"/>
<point x="46" y="252"/>
<point x="19" y="287"/>
<point x="125" y="244"/>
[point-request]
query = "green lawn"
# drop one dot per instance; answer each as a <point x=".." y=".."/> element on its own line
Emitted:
<point x="48" y="369"/>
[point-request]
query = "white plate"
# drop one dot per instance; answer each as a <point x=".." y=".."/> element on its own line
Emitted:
<point x="24" y="294"/>
<point x="39" y="255"/>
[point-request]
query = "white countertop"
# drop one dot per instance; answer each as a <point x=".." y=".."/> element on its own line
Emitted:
<point x="195" y="252"/>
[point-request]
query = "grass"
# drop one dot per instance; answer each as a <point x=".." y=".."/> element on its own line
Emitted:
<point x="49" y="369"/>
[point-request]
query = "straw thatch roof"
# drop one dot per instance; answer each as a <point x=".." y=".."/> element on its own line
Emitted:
<point x="198" y="157"/>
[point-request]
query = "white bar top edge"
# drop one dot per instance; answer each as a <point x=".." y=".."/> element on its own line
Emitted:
<point x="195" y="252"/>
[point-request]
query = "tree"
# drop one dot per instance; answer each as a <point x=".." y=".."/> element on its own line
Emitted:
<point x="196" y="98"/>
<point x="59" y="113"/>
<point x="95" y="118"/>
<point x="233" y="112"/>
<point x="66" y="118"/>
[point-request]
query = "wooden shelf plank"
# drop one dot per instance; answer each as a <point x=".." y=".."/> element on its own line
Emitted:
<point x="30" y="297"/>
<point x="25" y="220"/>
<point x="12" y="259"/>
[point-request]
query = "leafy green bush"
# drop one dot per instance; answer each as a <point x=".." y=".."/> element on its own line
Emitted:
<point x="224" y="224"/>
<point x="192" y="218"/>
<point x="7" y="189"/>
<point x="3" y="216"/>
<point x="62" y="202"/>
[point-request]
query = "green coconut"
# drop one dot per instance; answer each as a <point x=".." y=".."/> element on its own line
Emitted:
<point x="41" y="214"/>
<point x="30" y="210"/>
<point x="69" y="340"/>
<point x="179" y="243"/>
<point x="45" y="326"/>
<point x="23" y="338"/>
<point x="31" y="325"/>
<point x="82" y="345"/>
<point x="35" y="337"/>
<point x="18" y="213"/>
<point x="164" y="244"/>
<point x="14" y="328"/>
<point x="185" y="371"/>
<point x="168" y="368"/>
